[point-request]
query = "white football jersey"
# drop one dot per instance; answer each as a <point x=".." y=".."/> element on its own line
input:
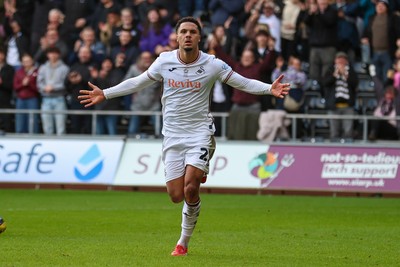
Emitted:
<point x="186" y="92"/>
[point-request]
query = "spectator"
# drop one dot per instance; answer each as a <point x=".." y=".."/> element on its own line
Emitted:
<point x="385" y="128"/>
<point x="129" y="23"/>
<point x="249" y="67"/>
<point x="6" y="90"/>
<point x="297" y="78"/>
<point x="222" y="10"/>
<point x="125" y="52"/>
<point x="108" y="30"/>
<point x="251" y="25"/>
<point x="367" y="10"/>
<point x="169" y="10"/>
<point x="172" y="44"/>
<point x="268" y="17"/>
<point x="322" y="22"/>
<point x="147" y="99"/>
<point x="302" y="32"/>
<point x="16" y="44"/>
<point x="348" y="37"/>
<point x="290" y="14"/>
<point x="20" y="11"/>
<point x="77" y="79"/>
<point x="55" y="20"/>
<point x="225" y="40"/>
<point x="381" y="36"/>
<point x="141" y="8"/>
<point x="50" y="40"/>
<point x="194" y="8"/>
<point x="77" y="13"/>
<point x="88" y="39"/>
<point x="153" y="31"/>
<point x="340" y="85"/>
<point x="27" y="95"/>
<point x="250" y="6"/>
<point x="264" y="47"/>
<point x="108" y="76"/>
<point x="50" y="83"/>
<point x="40" y="20"/>
<point x="101" y="11"/>
<point x="245" y="108"/>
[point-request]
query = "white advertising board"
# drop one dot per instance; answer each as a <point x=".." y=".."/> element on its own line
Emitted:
<point x="141" y="164"/>
<point x="59" y="160"/>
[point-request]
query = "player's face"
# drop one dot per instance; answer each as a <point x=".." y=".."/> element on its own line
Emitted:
<point x="188" y="36"/>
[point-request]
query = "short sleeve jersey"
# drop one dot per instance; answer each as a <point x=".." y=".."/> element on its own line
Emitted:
<point x="186" y="92"/>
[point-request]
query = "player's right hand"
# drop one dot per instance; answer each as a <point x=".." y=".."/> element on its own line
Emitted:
<point x="90" y="98"/>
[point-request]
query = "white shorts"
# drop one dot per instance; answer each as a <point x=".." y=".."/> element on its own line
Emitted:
<point x="181" y="151"/>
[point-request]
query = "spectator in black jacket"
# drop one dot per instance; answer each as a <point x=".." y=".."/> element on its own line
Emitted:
<point x="99" y="16"/>
<point x="125" y="53"/>
<point x="6" y="89"/>
<point x="340" y="85"/>
<point x="322" y="21"/>
<point x="20" y="11"/>
<point x="17" y="44"/>
<point x="76" y="13"/>
<point x="77" y="79"/>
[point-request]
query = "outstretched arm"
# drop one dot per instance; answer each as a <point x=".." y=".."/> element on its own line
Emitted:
<point x="129" y="86"/>
<point x="256" y="87"/>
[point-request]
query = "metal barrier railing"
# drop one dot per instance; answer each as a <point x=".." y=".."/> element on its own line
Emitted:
<point x="363" y="119"/>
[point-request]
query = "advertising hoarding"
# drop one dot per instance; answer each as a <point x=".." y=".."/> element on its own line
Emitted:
<point x="255" y="165"/>
<point x="59" y="160"/>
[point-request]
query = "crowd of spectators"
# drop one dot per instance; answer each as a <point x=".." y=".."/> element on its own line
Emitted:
<point x="51" y="49"/>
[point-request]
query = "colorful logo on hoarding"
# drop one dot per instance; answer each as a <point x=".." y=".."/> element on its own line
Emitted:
<point x="89" y="165"/>
<point x="264" y="165"/>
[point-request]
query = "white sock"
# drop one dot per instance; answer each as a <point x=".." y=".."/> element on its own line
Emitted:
<point x="190" y="213"/>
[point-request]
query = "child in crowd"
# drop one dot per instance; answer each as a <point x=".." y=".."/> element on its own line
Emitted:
<point x="297" y="79"/>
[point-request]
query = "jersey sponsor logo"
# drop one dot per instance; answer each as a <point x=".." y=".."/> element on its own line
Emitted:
<point x="183" y="84"/>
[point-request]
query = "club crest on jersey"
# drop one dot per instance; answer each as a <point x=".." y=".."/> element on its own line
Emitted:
<point x="183" y="84"/>
<point x="200" y="71"/>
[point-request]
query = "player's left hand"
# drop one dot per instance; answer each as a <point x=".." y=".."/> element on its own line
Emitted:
<point x="90" y="98"/>
<point x="279" y="89"/>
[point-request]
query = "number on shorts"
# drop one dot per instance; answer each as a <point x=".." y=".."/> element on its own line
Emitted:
<point x="205" y="154"/>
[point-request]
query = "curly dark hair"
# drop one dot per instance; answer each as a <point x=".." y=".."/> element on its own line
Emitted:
<point x="188" y="19"/>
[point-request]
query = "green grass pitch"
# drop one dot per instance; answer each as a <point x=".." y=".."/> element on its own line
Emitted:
<point x="114" y="228"/>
